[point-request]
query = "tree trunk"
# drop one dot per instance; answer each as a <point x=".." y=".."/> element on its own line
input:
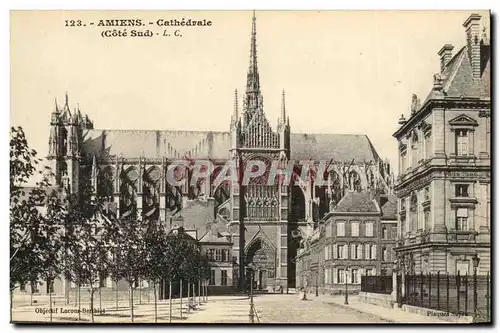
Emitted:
<point x="31" y="296"/>
<point x="156" y="308"/>
<point x="170" y="301"/>
<point x="180" y="288"/>
<point x="140" y="292"/>
<point x="188" y="299"/>
<point x="194" y="296"/>
<point x="11" y="302"/>
<point x="100" y="297"/>
<point x="132" y="302"/>
<point x="67" y="290"/>
<point x="149" y="291"/>
<point x="50" y="302"/>
<point x="91" y="303"/>
<point x="199" y="292"/>
<point x="116" y="294"/>
<point x="79" y="303"/>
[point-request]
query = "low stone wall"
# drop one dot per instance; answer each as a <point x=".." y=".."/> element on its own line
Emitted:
<point x="384" y="300"/>
<point x="435" y="313"/>
<point x="221" y="290"/>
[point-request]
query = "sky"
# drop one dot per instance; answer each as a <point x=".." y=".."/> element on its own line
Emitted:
<point x="345" y="72"/>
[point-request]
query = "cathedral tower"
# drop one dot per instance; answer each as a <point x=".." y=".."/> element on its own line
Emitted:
<point x="260" y="207"/>
<point x="64" y="145"/>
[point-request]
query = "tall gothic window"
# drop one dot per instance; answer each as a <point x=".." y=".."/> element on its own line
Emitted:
<point x="63" y="138"/>
<point x="354" y="181"/>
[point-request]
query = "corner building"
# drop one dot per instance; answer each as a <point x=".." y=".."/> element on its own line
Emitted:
<point x="130" y="167"/>
<point x="444" y="182"/>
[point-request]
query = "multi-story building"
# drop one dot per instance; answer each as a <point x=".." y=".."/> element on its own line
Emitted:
<point x="218" y="249"/>
<point x="388" y="233"/>
<point x="444" y="178"/>
<point x="356" y="238"/>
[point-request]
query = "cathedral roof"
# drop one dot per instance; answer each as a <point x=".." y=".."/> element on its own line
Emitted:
<point x="216" y="145"/>
<point x="157" y="144"/>
<point x="340" y="147"/>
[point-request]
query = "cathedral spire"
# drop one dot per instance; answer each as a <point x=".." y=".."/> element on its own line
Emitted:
<point x="57" y="108"/>
<point x="283" y="110"/>
<point x="235" y="107"/>
<point x="253" y="98"/>
<point x="66" y="112"/>
<point x="253" y="84"/>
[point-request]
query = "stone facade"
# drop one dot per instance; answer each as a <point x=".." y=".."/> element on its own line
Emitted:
<point x="356" y="238"/>
<point x="218" y="249"/>
<point x="445" y="163"/>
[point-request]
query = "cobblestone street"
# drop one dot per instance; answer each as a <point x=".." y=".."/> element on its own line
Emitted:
<point x="290" y="309"/>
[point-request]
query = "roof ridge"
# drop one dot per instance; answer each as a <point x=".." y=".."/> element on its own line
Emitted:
<point x="154" y="130"/>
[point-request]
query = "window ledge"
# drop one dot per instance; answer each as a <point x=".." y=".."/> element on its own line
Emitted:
<point x="463" y="201"/>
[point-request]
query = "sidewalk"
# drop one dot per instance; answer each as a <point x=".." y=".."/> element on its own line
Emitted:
<point x="395" y="315"/>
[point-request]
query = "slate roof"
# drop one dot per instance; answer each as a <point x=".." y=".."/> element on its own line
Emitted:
<point x="157" y="144"/>
<point x="458" y="79"/>
<point x="390" y="208"/>
<point x="357" y="202"/>
<point x="211" y="237"/>
<point x="340" y="147"/>
<point x="216" y="145"/>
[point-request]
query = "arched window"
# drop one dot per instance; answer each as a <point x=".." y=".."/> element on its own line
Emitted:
<point x="63" y="139"/>
<point x="354" y="181"/>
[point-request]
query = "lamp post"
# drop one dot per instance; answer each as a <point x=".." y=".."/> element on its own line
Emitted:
<point x="317" y="273"/>
<point x="251" y="312"/>
<point x="346" y="301"/>
<point x="475" y="264"/>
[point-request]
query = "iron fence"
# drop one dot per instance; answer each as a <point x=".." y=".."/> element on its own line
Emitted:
<point x="376" y="284"/>
<point x="465" y="295"/>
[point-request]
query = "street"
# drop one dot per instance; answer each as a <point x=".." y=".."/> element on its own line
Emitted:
<point x="290" y="309"/>
<point x="270" y="308"/>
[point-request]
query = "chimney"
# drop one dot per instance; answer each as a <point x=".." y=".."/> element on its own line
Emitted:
<point x="445" y="55"/>
<point x="473" y="43"/>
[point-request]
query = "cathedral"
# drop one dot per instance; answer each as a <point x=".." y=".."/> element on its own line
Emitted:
<point x="129" y="167"/>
